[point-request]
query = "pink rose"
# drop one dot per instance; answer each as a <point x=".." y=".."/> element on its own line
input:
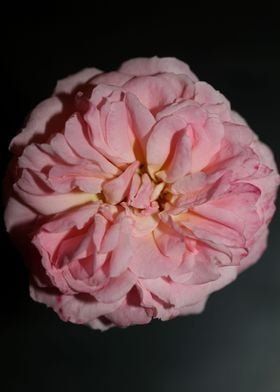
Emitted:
<point x="140" y="191"/>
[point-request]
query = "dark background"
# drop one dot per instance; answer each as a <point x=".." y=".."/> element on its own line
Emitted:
<point x="234" y="345"/>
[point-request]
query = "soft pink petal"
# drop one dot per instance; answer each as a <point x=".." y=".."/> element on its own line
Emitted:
<point x="37" y="123"/>
<point x="116" y="131"/>
<point x="259" y="244"/>
<point x="78" y="309"/>
<point x="208" y="140"/>
<point x="155" y="92"/>
<point x="62" y="149"/>
<point x="122" y="254"/>
<point x="180" y="162"/>
<point x="53" y="203"/>
<point x="113" y="78"/>
<point x="207" y="229"/>
<point x="76" y="138"/>
<point x="37" y="157"/>
<point x="18" y="214"/>
<point x="148" y="261"/>
<point x="142" y="198"/>
<point x="69" y="84"/>
<point x="117" y="288"/>
<point x="142" y="120"/>
<point x="150" y="66"/>
<point x="236" y="209"/>
<point x="160" y="139"/>
<point x="64" y="179"/>
<point x="130" y="312"/>
<point x="116" y="189"/>
<point x="213" y="100"/>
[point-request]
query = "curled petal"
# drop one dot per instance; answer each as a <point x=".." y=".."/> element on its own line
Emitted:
<point x="159" y="142"/>
<point x="117" y="288"/>
<point x="115" y="190"/>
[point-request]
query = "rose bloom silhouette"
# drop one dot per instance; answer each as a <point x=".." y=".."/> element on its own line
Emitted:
<point x="135" y="194"/>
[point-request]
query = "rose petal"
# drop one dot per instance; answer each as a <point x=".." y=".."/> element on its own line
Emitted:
<point x="150" y="66"/>
<point x="69" y="84"/>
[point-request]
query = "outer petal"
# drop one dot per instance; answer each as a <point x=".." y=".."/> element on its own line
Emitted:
<point x="80" y="309"/>
<point x="150" y="66"/>
<point x="113" y="78"/>
<point x="17" y="214"/>
<point x="155" y="92"/>
<point x="117" y="288"/>
<point x="180" y="295"/>
<point x="37" y="124"/>
<point x="69" y="84"/>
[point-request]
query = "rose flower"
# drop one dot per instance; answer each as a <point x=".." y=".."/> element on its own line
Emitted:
<point x="135" y="194"/>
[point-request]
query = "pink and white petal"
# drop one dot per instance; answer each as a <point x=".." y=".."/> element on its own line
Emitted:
<point x="169" y="243"/>
<point x="100" y="324"/>
<point x="54" y="203"/>
<point x="116" y="189"/>
<point x="113" y="78"/>
<point x="206" y="94"/>
<point x="208" y="141"/>
<point x="111" y="238"/>
<point x="143" y="224"/>
<point x="103" y="93"/>
<point x="151" y="66"/>
<point x="142" y="119"/>
<point x="34" y="183"/>
<point x="87" y="178"/>
<point x="142" y="199"/>
<point x="80" y="309"/>
<point x="36" y="125"/>
<point x="135" y="184"/>
<point x="148" y="261"/>
<point x="99" y="229"/>
<point x="213" y="100"/>
<point x="190" y="183"/>
<point x="265" y="154"/>
<point x="117" y="134"/>
<point x="259" y="244"/>
<point x="18" y="215"/>
<point x="235" y="209"/>
<point x="210" y="230"/>
<point x="181" y="160"/>
<point x="181" y="295"/>
<point x="117" y="288"/>
<point x="155" y="92"/>
<point x="123" y="252"/>
<point x="70" y="83"/>
<point x="75" y="218"/>
<point x="238" y="134"/>
<point x="128" y="314"/>
<point x="193" y="309"/>
<point x="191" y="112"/>
<point x="160" y="139"/>
<point x="36" y="157"/>
<point x="76" y="138"/>
<point x="198" y="267"/>
<point x="63" y="150"/>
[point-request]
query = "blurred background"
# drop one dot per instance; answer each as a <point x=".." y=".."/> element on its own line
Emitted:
<point x="235" y="344"/>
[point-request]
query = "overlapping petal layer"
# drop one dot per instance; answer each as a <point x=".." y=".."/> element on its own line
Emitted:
<point x="141" y="193"/>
